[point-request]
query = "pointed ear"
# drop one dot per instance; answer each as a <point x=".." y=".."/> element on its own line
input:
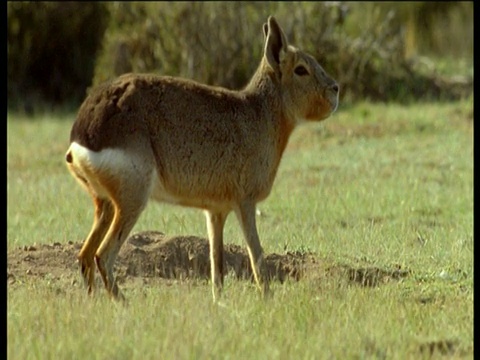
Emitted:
<point x="275" y="43"/>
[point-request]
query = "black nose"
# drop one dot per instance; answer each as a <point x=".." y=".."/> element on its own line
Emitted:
<point x="335" y="87"/>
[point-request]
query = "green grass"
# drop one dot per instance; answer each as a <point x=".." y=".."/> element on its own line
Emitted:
<point x="382" y="185"/>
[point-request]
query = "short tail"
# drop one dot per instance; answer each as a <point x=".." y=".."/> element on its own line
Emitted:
<point x="69" y="157"/>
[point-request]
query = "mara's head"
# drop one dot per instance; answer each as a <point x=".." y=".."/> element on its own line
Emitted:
<point x="308" y="92"/>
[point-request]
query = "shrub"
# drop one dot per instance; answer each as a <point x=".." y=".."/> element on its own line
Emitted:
<point x="55" y="50"/>
<point x="51" y="49"/>
<point x="220" y="43"/>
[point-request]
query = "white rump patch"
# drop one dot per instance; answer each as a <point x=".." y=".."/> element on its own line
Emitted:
<point x="116" y="163"/>
<point x="112" y="161"/>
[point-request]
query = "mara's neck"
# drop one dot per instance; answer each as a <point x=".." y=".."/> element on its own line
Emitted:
<point x="264" y="88"/>
<point x="263" y="80"/>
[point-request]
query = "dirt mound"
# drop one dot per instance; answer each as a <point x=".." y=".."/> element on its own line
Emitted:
<point x="153" y="255"/>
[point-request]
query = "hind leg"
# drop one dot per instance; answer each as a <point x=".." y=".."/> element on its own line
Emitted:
<point x="102" y="220"/>
<point x="110" y="247"/>
<point x="120" y="182"/>
<point x="128" y="200"/>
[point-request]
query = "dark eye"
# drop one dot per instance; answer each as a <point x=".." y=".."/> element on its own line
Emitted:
<point x="300" y="70"/>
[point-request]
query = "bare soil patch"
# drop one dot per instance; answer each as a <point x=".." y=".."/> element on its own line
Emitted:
<point x="152" y="255"/>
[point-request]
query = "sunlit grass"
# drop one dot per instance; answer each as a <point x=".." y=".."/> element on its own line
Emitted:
<point x="382" y="185"/>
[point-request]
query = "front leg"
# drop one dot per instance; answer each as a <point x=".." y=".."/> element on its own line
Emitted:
<point x="215" y="223"/>
<point x="246" y="216"/>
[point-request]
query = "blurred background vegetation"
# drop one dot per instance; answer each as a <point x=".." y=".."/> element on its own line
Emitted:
<point x="377" y="51"/>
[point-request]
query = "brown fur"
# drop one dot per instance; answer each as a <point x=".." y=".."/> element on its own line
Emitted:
<point x="193" y="145"/>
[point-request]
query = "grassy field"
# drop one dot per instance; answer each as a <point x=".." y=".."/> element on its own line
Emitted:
<point x="377" y="185"/>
